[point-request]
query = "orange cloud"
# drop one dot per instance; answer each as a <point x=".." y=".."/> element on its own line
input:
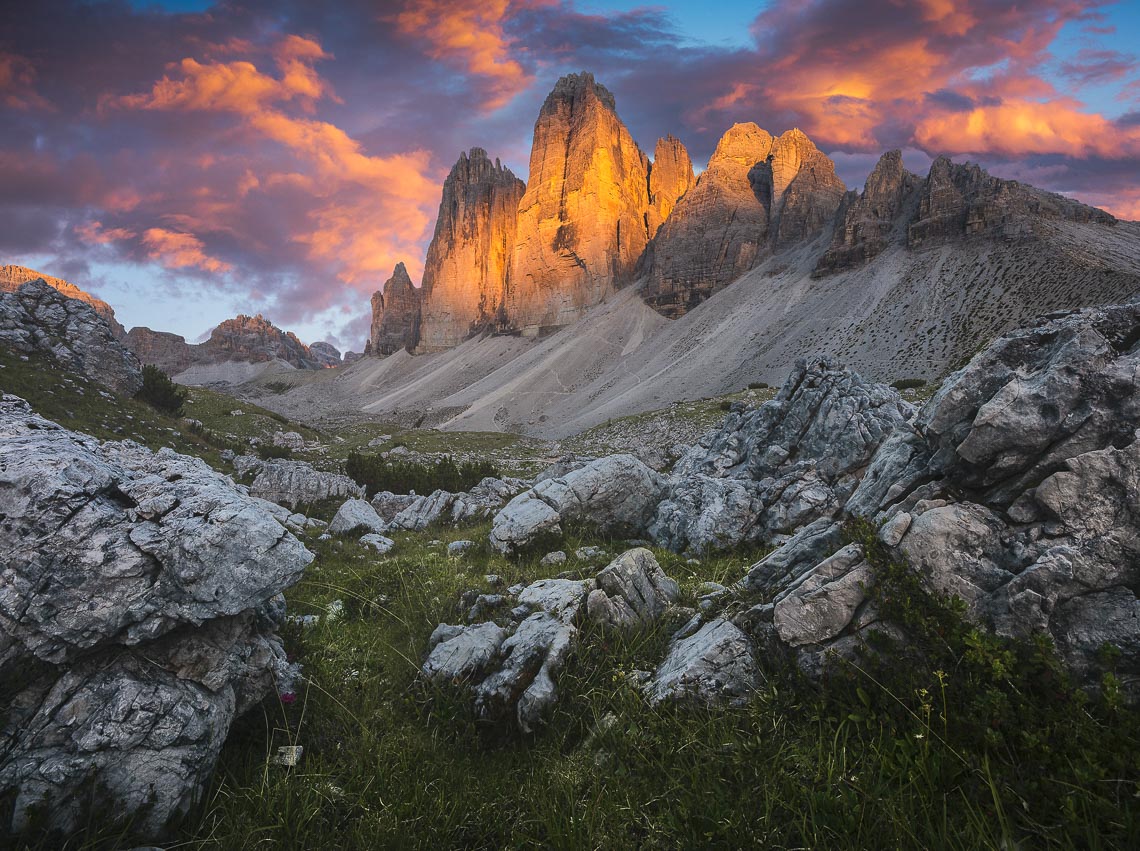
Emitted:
<point x="95" y="234"/>
<point x="1018" y="127"/>
<point x="470" y="34"/>
<point x="374" y="211"/>
<point x="177" y="250"/>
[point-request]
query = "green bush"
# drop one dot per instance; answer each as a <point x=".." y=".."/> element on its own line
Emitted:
<point x="758" y="385"/>
<point x="726" y="405"/>
<point x="160" y="392"/>
<point x="908" y="383"/>
<point x="381" y="474"/>
<point x="267" y="452"/>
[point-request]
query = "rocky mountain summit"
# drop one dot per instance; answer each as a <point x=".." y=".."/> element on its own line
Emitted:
<point x="137" y="620"/>
<point x="469" y="258"/>
<point x="13" y="277"/>
<point x="247" y="339"/>
<point x="37" y="317"/>
<point x="395" y="315"/>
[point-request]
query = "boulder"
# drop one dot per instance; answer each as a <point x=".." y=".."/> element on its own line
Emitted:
<point x="378" y="542"/>
<point x="356" y="514"/>
<point x="296" y="483"/>
<point x="142" y="588"/>
<point x="617" y="494"/>
<point x="632" y="591"/>
<point x="716" y="663"/>
<point x="460" y="653"/>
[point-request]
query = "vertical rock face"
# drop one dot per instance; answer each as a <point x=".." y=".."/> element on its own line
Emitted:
<point x="805" y="189"/>
<point x="757" y="193"/>
<point x="395" y="314"/>
<point x="715" y="231"/>
<point x="670" y="177"/>
<point x="169" y="352"/>
<point x="963" y="201"/>
<point x="13" y="277"/>
<point x="866" y="224"/>
<point x="583" y="222"/>
<point x="465" y="273"/>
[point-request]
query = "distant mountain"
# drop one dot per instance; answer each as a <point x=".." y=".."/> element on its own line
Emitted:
<point x="243" y="339"/>
<point x="764" y="259"/>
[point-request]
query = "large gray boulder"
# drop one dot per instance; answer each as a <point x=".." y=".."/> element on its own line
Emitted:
<point x="420" y="512"/>
<point x="354" y="515"/>
<point x="296" y="483"/>
<point x="632" y="591"/>
<point x="793" y="460"/>
<point x="616" y="494"/>
<point x="715" y="663"/>
<point x="143" y="588"/>
<point x="39" y="318"/>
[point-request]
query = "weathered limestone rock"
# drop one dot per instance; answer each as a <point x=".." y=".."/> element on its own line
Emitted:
<point x="963" y="201"/>
<point x="461" y="653"/>
<point x="296" y="483"/>
<point x="14" y="277"/>
<point x="444" y="507"/>
<point x="468" y="261"/>
<point x="716" y="231"/>
<point x="325" y="354"/>
<point x="632" y="591"/>
<point x="670" y="177"/>
<point x="805" y="189"/>
<point x="37" y="317"/>
<point x="146" y="586"/>
<point x="616" y="494"/>
<point x="582" y="223"/>
<point x="356" y="514"/>
<point x="250" y="339"/>
<point x="771" y="470"/>
<point x="717" y="663"/>
<point x="395" y="315"/>
<point x="169" y="352"/>
<point x="868" y="222"/>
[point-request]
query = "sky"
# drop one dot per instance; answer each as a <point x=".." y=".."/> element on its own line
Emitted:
<point x="189" y="160"/>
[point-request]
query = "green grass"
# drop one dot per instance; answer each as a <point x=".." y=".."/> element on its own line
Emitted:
<point x="880" y="757"/>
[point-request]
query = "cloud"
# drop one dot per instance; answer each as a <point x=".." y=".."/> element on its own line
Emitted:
<point x="471" y="35"/>
<point x="18" y="83"/>
<point x="369" y="212"/>
<point x="176" y="250"/>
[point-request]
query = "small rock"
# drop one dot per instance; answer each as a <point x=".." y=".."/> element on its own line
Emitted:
<point x="378" y="542"/>
<point x="456" y="548"/>
<point x="555" y="558"/>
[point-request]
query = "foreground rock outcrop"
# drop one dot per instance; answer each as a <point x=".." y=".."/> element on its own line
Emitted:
<point x="395" y="315"/>
<point x="137" y="620"/>
<point x="38" y="318"/>
<point x="513" y="669"/>
<point x="469" y="258"/>
<point x="783" y="465"/>
<point x="295" y="483"/>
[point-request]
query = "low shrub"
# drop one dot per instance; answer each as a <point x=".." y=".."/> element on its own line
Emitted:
<point x="908" y="383"/>
<point x="160" y="392"/>
<point x="268" y="452"/>
<point x="377" y="474"/>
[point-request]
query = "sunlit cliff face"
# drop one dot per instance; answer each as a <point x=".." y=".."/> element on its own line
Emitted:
<point x="284" y="157"/>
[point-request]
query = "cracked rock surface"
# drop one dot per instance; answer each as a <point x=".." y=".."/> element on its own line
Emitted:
<point x="140" y="588"/>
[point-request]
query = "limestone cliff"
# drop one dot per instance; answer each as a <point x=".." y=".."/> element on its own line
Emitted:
<point x="960" y="200"/>
<point x="670" y="177"/>
<point x="12" y="277"/>
<point x="325" y="354"/>
<point x="465" y="273"/>
<point x="716" y="230"/>
<point x="583" y="221"/>
<point x="865" y="225"/>
<point x="169" y="352"/>
<point x="758" y="194"/>
<point x="395" y="315"/>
